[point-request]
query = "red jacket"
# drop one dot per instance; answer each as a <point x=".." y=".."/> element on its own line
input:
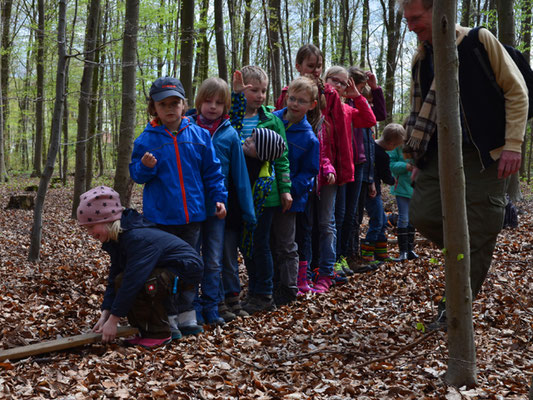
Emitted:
<point x="337" y="137"/>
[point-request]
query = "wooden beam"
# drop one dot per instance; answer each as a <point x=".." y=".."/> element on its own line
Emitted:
<point x="60" y="344"/>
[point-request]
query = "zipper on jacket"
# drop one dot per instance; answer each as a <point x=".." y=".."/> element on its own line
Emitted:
<point x="180" y="171"/>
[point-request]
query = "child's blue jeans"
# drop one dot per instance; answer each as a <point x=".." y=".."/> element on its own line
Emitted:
<point x="377" y="219"/>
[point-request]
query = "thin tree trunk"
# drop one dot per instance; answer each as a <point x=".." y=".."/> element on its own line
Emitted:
<point x="55" y="135"/>
<point x="461" y="347"/>
<point x="39" y="102"/>
<point x="364" y="34"/>
<point x="123" y="182"/>
<point x="526" y="26"/>
<point x="187" y="47"/>
<point x="247" y="41"/>
<point x="89" y="46"/>
<point x="6" y="56"/>
<point x="220" y="42"/>
<point x="290" y="76"/>
<point x="233" y="34"/>
<point x="316" y="21"/>
<point x="273" y="47"/>
<point x="465" y="13"/>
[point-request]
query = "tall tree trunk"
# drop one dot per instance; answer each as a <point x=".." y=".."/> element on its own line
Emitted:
<point x="364" y="34"/>
<point x="525" y="28"/>
<point x="123" y="182"/>
<point x="55" y="135"/>
<point x="233" y="34"/>
<point x="247" y="41"/>
<point x="274" y="46"/>
<point x="39" y="102"/>
<point x="187" y="47"/>
<point x="6" y="56"/>
<point x="344" y="30"/>
<point x="465" y="13"/>
<point x="202" y="56"/>
<point x="89" y="46"/>
<point x="220" y="43"/>
<point x="462" y="352"/>
<point x="3" y="171"/>
<point x="316" y="22"/>
<point x="290" y="76"/>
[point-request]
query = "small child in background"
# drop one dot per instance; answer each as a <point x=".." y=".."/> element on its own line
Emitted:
<point x="147" y="264"/>
<point x="212" y="105"/>
<point x="247" y="113"/>
<point x="403" y="191"/>
<point x="176" y="162"/>
<point x="290" y="276"/>
<point x="374" y="247"/>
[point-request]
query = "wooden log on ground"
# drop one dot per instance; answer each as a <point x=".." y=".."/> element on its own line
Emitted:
<point x="21" y="202"/>
<point x="60" y="344"/>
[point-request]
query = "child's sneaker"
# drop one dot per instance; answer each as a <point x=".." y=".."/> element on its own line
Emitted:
<point x="346" y="268"/>
<point x="187" y="323"/>
<point x="235" y="306"/>
<point x="149" y="343"/>
<point x="323" y="283"/>
<point x="258" y="303"/>
<point x="173" y="322"/>
<point x="225" y="313"/>
<point x="337" y="267"/>
<point x="338" y="279"/>
<point x="213" y="318"/>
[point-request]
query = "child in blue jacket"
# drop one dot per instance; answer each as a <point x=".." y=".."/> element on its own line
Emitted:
<point x="289" y="275"/>
<point x="212" y="105"/>
<point x="147" y="264"/>
<point x="176" y="161"/>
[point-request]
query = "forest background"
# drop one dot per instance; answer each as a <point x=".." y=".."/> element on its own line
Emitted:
<point x="192" y="40"/>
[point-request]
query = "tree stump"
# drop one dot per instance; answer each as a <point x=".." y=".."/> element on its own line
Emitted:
<point x="21" y="202"/>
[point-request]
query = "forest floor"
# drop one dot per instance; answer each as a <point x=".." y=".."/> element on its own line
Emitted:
<point x="360" y="340"/>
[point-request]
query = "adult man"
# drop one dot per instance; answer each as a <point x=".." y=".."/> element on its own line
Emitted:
<point x="493" y="127"/>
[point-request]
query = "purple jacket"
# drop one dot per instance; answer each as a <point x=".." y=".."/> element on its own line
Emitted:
<point x="380" y="111"/>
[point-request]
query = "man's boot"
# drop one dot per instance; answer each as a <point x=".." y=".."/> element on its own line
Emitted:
<point x="403" y="244"/>
<point x="411" y="255"/>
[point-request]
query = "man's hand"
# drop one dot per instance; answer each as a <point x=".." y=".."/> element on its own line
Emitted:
<point x="149" y="160"/>
<point x="103" y="318"/>
<point x="220" y="210"/>
<point x="286" y="201"/>
<point x="509" y="163"/>
<point x="238" y="83"/>
<point x="109" y="330"/>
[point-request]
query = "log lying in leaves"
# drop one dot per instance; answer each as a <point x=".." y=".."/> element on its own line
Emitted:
<point x="21" y="202"/>
<point x="60" y="344"/>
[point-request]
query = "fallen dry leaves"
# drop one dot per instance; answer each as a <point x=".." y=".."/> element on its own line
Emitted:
<point x="358" y="341"/>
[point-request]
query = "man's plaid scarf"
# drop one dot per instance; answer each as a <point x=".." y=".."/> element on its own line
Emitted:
<point x="422" y="122"/>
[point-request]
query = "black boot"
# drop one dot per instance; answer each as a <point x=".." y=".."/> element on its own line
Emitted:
<point x="411" y="255"/>
<point x="401" y="234"/>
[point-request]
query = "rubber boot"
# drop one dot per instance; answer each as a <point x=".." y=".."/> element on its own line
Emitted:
<point x="411" y="255"/>
<point x="380" y="251"/>
<point x="402" y="244"/>
<point x="303" y="285"/>
<point x="367" y="251"/>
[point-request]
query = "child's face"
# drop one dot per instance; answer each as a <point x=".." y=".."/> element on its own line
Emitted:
<point x="298" y="104"/>
<point x="339" y="82"/>
<point x="310" y="65"/>
<point x="169" y="111"/>
<point x="248" y="147"/>
<point x="255" y="95"/>
<point x="98" y="231"/>
<point x="212" y="108"/>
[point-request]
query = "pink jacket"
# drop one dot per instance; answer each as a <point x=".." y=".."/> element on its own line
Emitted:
<point x="359" y="117"/>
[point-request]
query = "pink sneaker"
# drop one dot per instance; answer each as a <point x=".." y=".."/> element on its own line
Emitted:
<point x="322" y="285"/>
<point x="149" y="343"/>
<point x="303" y="284"/>
<point x="132" y="341"/>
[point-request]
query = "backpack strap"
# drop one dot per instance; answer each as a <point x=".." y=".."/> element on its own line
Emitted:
<point x="483" y="58"/>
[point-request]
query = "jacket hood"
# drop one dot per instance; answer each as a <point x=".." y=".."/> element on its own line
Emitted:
<point x="131" y="219"/>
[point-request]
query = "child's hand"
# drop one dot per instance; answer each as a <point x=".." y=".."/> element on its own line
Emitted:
<point x="221" y="210"/>
<point x="238" y="83"/>
<point x="372" y="81"/>
<point x="372" y="192"/>
<point x="109" y="330"/>
<point x="330" y="179"/>
<point x="149" y="160"/>
<point x="351" y="91"/>
<point x="103" y="318"/>
<point x="286" y="201"/>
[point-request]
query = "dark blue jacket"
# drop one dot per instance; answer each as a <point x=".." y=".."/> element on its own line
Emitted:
<point x="187" y="172"/>
<point x="229" y="152"/>
<point x="304" y="159"/>
<point x="368" y="166"/>
<point x="141" y="247"/>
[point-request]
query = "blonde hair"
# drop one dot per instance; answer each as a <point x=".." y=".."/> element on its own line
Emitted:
<point x="334" y="70"/>
<point x="114" y="230"/>
<point x="393" y="133"/>
<point x="210" y="88"/>
<point x="253" y="72"/>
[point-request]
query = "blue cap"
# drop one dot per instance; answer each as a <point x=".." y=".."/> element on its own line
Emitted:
<point x="166" y="87"/>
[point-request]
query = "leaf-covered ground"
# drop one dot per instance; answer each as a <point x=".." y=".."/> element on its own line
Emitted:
<point x="358" y="341"/>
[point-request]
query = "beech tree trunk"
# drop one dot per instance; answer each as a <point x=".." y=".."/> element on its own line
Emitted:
<point x="247" y="42"/>
<point x="461" y="347"/>
<point x="123" y="182"/>
<point x="274" y="46"/>
<point x="55" y="135"/>
<point x="89" y="46"/>
<point x="6" y="56"/>
<point x="187" y="47"/>
<point x="220" y="42"/>
<point x="316" y="21"/>
<point x="364" y="34"/>
<point x="39" y="102"/>
<point x="527" y="11"/>
<point x="465" y="13"/>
